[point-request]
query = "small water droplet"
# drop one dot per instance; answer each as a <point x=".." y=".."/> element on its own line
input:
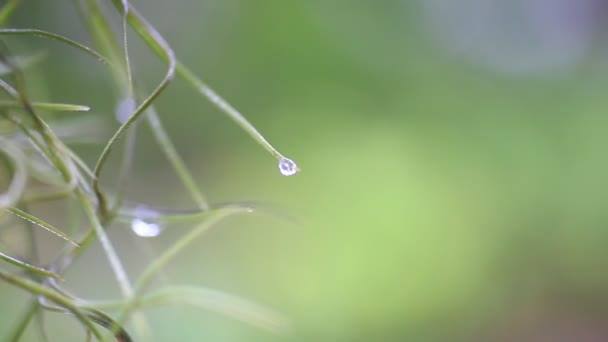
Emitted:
<point x="145" y="229"/>
<point x="125" y="110"/>
<point x="288" y="167"/>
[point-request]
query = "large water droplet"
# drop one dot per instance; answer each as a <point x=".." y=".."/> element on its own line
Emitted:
<point x="288" y="167"/>
<point x="145" y="229"/>
<point x="125" y="110"/>
<point x="143" y="220"/>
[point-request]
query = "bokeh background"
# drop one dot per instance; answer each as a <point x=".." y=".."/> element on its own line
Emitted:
<point x="453" y="157"/>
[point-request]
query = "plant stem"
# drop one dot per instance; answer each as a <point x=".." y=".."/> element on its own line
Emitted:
<point x="55" y="297"/>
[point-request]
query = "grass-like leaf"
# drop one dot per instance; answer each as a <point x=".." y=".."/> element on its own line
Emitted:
<point x="174" y="158"/>
<point x="54" y="36"/>
<point x="55" y="150"/>
<point x="213" y="217"/>
<point x="40" y="223"/>
<point x="164" y="216"/>
<point x="140" y="26"/>
<point x="28" y="267"/>
<point x="226" y="304"/>
<point x="20" y="327"/>
<point x="67" y="175"/>
<point x="53" y="107"/>
<point x="64" y="302"/>
<point x="156" y="39"/>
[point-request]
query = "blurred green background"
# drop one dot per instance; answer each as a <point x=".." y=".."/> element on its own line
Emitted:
<point x="453" y="183"/>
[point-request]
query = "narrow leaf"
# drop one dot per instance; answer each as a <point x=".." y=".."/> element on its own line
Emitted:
<point x="22" y="214"/>
<point x="28" y="267"/>
<point x="58" y="298"/>
<point x="57" y="37"/>
<point x="217" y="301"/>
<point x="54" y="107"/>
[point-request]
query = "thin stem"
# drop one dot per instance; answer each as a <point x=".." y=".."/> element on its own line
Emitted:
<point x="54" y="107"/>
<point x="40" y="223"/>
<point x="28" y="267"/>
<point x="131" y="90"/>
<point x="176" y="161"/>
<point x="104" y="39"/>
<point x="59" y="299"/>
<point x="54" y="144"/>
<point x="229" y="305"/>
<point x="19" y="329"/>
<point x="119" y="271"/>
<point x="167" y="53"/>
<point x="147" y="276"/>
<point x="136" y="20"/>
<point x="57" y="37"/>
<point x="34" y="255"/>
<point x="125" y="169"/>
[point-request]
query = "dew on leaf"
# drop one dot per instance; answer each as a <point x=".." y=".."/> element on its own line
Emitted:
<point x="288" y="167"/>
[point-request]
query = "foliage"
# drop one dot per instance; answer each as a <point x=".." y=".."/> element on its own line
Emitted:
<point x="40" y="166"/>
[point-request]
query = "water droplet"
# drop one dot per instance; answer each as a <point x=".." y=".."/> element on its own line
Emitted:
<point x="143" y="220"/>
<point x="125" y="110"/>
<point x="288" y="167"/>
<point x="145" y="229"/>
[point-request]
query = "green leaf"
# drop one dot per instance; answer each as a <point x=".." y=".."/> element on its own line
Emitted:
<point x="28" y="267"/>
<point x="22" y="214"/>
<point x="54" y="107"/>
<point x="57" y="37"/>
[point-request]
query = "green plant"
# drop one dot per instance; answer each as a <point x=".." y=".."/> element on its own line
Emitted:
<point x="30" y="149"/>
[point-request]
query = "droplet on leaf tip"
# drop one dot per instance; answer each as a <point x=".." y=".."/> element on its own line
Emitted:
<point x="288" y="167"/>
